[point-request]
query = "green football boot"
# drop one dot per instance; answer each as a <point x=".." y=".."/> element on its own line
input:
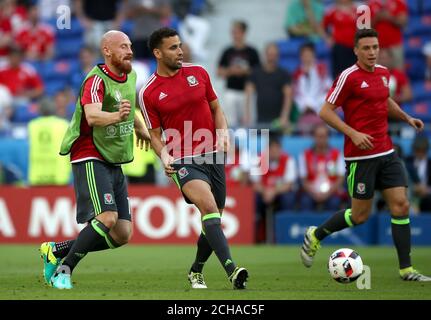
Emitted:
<point x="50" y="262"/>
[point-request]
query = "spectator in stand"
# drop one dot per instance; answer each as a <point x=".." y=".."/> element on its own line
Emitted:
<point x="272" y="86"/>
<point x="64" y="104"/>
<point x="235" y="65"/>
<point x="419" y="169"/>
<point x="275" y="187"/>
<point x="6" y="101"/>
<point x="87" y="60"/>
<point x="427" y="53"/>
<point x="311" y="83"/>
<point x="389" y="18"/>
<point x="147" y="15"/>
<point x="45" y="133"/>
<point x="339" y="28"/>
<point x="399" y="84"/>
<point x="12" y="16"/>
<point x="35" y="37"/>
<point x="237" y="167"/>
<point x="98" y="17"/>
<point x="192" y="29"/>
<point x="303" y="18"/>
<point x="20" y="78"/>
<point x="321" y="169"/>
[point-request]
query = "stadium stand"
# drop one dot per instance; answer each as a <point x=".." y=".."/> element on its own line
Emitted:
<point x="56" y="76"/>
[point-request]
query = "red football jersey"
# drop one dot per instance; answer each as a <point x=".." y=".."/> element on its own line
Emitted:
<point x="389" y="33"/>
<point x="36" y="39"/>
<point x="180" y="106"/>
<point x="343" y="24"/>
<point x="363" y="95"/>
<point x="20" y="79"/>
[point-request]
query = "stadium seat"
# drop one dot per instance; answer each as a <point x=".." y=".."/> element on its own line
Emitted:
<point x="426" y="6"/>
<point x="197" y="6"/>
<point x="127" y="27"/>
<point x="15" y="152"/>
<point x="322" y="50"/>
<point x="421" y="91"/>
<point x="68" y="47"/>
<point x="415" y="67"/>
<point x="76" y="30"/>
<point x="289" y="52"/>
<point x="413" y="45"/>
<point x="290" y="48"/>
<point x="55" y="70"/>
<point x="55" y="74"/>
<point x="23" y="113"/>
<point x="418" y="25"/>
<point x="38" y="65"/>
<point x="52" y="87"/>
<point x="421" y="110"/>
<point x="414" y="7"/>
<point x="289" y="64"/>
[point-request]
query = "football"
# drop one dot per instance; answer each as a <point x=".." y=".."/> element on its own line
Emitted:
<point x="345" y="265"/>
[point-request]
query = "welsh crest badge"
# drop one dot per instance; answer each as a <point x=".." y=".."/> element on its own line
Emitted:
<point x="360" y="188"/>
<point x="183" y="172"/>
<point x="192" y="81"/>
<point x="108" y="198"/>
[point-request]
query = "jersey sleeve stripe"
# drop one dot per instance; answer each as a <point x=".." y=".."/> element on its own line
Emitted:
<point x="143" y="110"/>
<point x="98" y="87"/>
<point x="340" y="83"/>
<point x="94" y="80"/>
<point x="94" y="88"/>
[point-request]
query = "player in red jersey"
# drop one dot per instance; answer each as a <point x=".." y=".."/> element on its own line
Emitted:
<point x="371" y="163"/>
<point x="179" y="102"/>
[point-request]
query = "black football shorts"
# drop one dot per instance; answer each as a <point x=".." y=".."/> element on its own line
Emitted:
<point x="99" y="187"/>
<point x="365" y="176"/>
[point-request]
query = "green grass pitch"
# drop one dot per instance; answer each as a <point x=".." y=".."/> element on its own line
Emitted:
<point x="160" y="272"/>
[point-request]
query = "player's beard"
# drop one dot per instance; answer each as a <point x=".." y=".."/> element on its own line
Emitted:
<point x="173" y="65"/>
<point x="124" y="65"/>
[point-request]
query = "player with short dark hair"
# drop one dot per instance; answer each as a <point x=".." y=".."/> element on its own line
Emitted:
<point x="99" y="139"/>
<point x="179" y="103"/>
<point x="241" y="24"/>
<point x="371" y="163"/>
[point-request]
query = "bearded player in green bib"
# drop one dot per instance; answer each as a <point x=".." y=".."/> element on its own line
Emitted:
<point x="99" y="139"/>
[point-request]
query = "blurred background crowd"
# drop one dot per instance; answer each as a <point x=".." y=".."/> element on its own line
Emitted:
<point x="272" y="63"/>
